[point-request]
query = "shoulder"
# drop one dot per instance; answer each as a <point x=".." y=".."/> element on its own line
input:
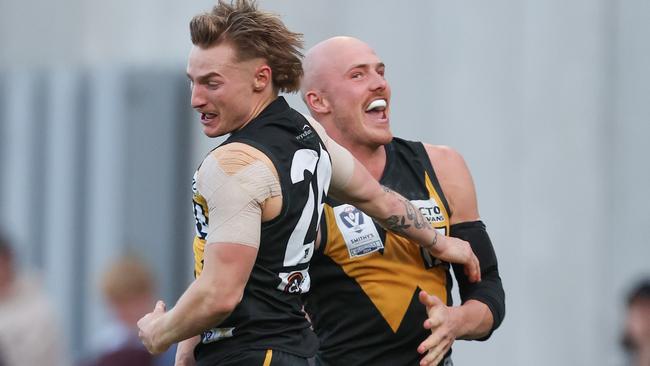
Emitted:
<point x="455" y="180"/>
<point x="238" y="149"/>
<point x="320" y="130"/>
<point x="234" y="163"/>
<point x="448" y="163"/>
<point x="235" y="156"/>
<point x="446" y="157"/>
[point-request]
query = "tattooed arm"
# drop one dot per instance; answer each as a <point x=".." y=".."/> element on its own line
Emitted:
<point x="397" y="214"/>
<point x="399" y="224"/>
<point x="352" y="183"/>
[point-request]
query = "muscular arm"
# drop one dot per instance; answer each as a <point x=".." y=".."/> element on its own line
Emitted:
<point x="481" y="311"/>
<point x="487" y="298"/>
<point x="352" y="183"/>
<point x="236" y="188"/>
<point x="210" y="299"/>
<point x="483" y="303"/>
<point x="387" y="207"/>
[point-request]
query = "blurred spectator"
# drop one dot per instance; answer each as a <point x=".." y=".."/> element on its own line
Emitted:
<point x="29" y="334"/>
<point x="128" y="287"/>
<point x="636" y="339"/>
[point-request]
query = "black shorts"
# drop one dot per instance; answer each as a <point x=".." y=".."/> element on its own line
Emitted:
<point x="264" y="358"/>
<point x="318" y="361"/>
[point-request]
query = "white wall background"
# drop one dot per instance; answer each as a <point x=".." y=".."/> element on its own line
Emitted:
<point x="548" y="101"/>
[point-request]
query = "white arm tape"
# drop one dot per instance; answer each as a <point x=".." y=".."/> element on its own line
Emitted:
<point x="235" y="201"/>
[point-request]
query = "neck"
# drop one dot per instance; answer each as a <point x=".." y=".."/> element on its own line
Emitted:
<point x="263" y="101"/>
<point x="373" y="157"/>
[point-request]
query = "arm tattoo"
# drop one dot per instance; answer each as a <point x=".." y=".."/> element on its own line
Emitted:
<point x="400" y="223"/>
<point x="396" y="224"/>
<point x="414" y="214"/>
<point x="433" y="242"/>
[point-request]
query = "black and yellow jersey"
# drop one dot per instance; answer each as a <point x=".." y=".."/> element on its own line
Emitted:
<point x="270" y="314"/>
<point x="365" y="282"/>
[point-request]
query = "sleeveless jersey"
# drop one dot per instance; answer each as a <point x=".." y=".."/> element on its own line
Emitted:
<point x="364" y="300"/>
<point x="270" y="314"/>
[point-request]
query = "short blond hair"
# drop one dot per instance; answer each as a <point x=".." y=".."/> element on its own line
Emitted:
<point x="254" y="34"/>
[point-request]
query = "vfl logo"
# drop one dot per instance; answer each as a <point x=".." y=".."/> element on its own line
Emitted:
<point x="294" y="283"/>
<point x="352" y="218"/>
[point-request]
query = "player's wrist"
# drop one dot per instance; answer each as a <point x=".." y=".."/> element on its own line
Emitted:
<point x="161" y="339"/>
<point x="437" y="244"/>
<point x="470" y="320"/>
<point x="457" y="318"/>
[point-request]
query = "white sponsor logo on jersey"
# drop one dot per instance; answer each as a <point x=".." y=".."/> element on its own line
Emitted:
<point x="296" y="282"/>
<point x="430" y="210"/>
<point x="359" y="232"/>
<point x="216" y="334"/>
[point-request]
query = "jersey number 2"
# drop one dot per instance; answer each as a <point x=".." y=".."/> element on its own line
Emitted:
<point x="298" y="251"/>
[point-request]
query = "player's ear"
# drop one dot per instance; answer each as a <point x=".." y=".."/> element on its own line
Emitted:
<point x="317" y="102"/>
<point x="262" y="77"/>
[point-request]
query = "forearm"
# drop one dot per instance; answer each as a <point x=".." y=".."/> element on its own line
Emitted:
<point x="199" y="308"/>
<point x="474" y="320"/>
<point x="390" y="209"/>
<point x="490" y="290"/>
<point x="185" y="352"/>
<point x="397" y="214"/>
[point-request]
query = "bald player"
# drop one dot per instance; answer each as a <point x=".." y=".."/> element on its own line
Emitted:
<point x="377" y="299"/>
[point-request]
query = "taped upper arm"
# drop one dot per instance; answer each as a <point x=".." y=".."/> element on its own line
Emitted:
<point x="235" y="182"/>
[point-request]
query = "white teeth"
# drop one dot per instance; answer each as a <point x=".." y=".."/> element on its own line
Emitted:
<point x="377" y="103"/>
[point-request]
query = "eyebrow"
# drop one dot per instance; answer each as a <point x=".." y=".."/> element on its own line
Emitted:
<point x="203" y="77"/>
<point x="364" y="66"/>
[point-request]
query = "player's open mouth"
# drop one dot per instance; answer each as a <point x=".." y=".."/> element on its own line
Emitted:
<point x="207" y="117"/>
<point x="377" y="109"/>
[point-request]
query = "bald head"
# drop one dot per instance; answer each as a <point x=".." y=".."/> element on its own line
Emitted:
<point x="328" y="56"/>
<point x="345" y="90"/>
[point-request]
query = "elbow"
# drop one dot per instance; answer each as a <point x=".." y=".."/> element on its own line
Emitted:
<point x="497" y="312"/>
<point x="223" y="304"/>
